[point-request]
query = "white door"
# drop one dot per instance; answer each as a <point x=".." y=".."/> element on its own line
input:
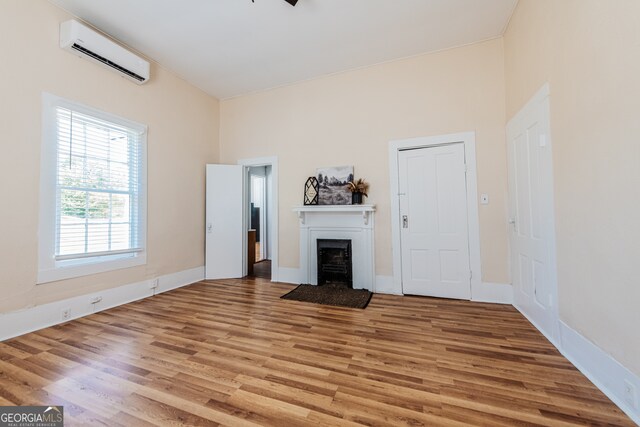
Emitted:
<point x="532" y="235"/>
<point x="225" y="235"/>
<point x="434" y="229"/>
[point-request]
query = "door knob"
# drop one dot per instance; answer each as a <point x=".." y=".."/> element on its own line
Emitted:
<point x="405" y="221"/>
<point x="209" y="228"/>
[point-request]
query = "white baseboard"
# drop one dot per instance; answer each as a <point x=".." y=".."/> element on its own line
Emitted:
<point x="547" y="334"/>
<point x="603" y="370"/>
<point x="383" y="285"/>
<point x="386" y="285"/>
<point x="289" y="275"/>
<point x="20" y="322"/>
<point x="497" y="293"/>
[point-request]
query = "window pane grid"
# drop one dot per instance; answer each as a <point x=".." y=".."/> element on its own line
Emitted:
<point x="97" y="186"/>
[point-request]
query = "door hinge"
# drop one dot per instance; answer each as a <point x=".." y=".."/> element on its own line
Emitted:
<point x="470" y="274"/>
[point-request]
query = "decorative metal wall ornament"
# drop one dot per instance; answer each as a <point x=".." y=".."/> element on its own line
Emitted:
<point x="311" y="188"/>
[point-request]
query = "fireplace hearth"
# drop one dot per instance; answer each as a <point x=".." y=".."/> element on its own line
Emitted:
<point x="335" y="262"/>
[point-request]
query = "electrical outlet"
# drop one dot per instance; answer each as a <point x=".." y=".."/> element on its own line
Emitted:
<point x="154" y="284"/>
<point x="66" y="313"/>
<point x="630" y="394"/>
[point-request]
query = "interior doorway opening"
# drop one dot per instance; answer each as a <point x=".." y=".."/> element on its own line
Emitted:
<point x="228" y="251"/>
<point x="258" y="241"/>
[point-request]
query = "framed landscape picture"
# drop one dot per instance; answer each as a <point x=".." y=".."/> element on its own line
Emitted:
<point x="333" y="185"/>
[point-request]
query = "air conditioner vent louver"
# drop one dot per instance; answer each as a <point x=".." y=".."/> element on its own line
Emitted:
<point x="107" y="62"/>
<point x="95" y="47"/>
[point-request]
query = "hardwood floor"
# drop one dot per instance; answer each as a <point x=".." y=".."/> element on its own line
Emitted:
<point x="262" y="269"/>
<point x="233" y="353"/>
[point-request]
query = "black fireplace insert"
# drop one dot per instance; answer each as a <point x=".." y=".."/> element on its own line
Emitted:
<point x="334" y="262"/>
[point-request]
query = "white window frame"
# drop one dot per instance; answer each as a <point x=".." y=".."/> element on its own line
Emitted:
<point x="50" y="269"/>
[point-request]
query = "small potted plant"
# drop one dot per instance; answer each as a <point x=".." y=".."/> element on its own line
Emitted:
<point x="358" y="189"/>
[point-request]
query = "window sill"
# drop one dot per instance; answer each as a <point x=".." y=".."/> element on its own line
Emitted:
<point x="88" y="268"/>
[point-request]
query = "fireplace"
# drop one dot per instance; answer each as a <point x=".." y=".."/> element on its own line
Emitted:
<point x="348" y="222"/>
<point x="334" y="262"/>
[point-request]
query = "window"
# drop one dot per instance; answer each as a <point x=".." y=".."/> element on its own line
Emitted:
<point x="92" y="191"/>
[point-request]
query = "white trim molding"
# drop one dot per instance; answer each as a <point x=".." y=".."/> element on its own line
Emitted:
<point x="605" y="372"/>
<point x="289" y="275"/>
<point x="498" y="293"/>
<point x="469" y="141"/>
<point x="31" y="319"/>
<point x="365" y="210"/>
<point x="52" y="268"/>
<point x="273" y="221"/>
<point x="550" y="338"/>
<point x="385" y="285"/>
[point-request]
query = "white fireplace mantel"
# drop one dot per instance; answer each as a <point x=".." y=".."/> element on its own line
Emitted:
<point x="349" y="222"/>
<point x="364" y="210"/>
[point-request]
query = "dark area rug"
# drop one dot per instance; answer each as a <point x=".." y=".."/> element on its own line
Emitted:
<point x="331" y="294"/>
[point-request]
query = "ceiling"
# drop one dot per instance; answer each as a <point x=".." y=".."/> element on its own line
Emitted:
<point x="233" y="47"/>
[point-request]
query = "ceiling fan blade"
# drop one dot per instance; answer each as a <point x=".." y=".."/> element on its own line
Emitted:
<point x="292" y="2"/>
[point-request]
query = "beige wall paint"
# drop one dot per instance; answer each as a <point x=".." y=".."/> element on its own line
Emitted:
<point x="183" y="137"/>
<point x="349" y="119"/>
<point x="589" y="52"/>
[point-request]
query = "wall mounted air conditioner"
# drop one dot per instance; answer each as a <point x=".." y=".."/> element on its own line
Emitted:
<point x="89" y="44"/>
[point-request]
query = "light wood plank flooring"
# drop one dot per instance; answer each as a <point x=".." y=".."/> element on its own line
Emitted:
<point x="232" y="353"/>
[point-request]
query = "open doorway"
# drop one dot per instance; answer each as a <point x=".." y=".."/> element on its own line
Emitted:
<point x="258" y="241"/>
<point x="228" y="219"/>
<point x="260" y="217"/>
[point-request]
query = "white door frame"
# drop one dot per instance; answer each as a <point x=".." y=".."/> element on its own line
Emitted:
<point x="273" y="219"/>
<point x="469" y="141"/>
